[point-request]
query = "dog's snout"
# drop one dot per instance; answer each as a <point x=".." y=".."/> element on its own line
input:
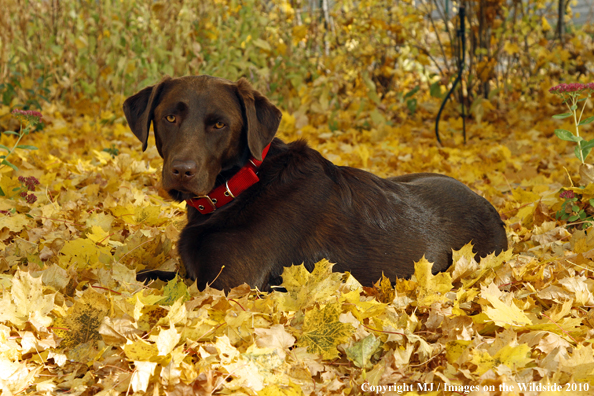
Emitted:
<point x="183" y="170"/>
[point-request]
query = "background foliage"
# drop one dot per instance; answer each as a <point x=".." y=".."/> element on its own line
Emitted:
<point x="362" y="82"/>
<point x="308" y="56"/>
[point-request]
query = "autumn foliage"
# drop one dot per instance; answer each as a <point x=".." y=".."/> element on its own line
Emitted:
<point x="362" y="82"/>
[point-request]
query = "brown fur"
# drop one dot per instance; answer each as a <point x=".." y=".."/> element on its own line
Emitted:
<point x="304" y="208"/>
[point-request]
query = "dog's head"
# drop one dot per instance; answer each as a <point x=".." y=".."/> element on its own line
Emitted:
<point x="203" y="126"/>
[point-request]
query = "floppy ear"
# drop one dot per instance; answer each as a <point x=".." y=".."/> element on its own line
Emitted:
<point x="139" y="109"/>
<point x="263" y="118"/>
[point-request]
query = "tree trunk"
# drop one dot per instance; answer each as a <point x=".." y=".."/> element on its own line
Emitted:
<point x="560" y="24"/>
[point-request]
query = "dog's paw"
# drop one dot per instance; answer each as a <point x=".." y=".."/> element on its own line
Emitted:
<point x="151" y="275"/>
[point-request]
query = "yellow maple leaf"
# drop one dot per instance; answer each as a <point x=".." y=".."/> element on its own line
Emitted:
<point x="14" y="223"/>
<point x="123" y="274"/>
<point x="83" y="253"/>
<point x="362" y="351"/>
<point x="142" y="299"/>
<point x="16" y="375"/>
<point x="141" y="350"/>
<point x="275" y="337"/>
<point x="142" y="375"/>
<point x="98" y="236"/>
<point x="167" y="340"/>
<point x="431" y="288"/>
<point x="503" y="314"/>
<point x="239" y="325"/>
<point x="362" y="308"/>
<point x="8" y="185"/>
<point x="246" y="371"/>
<point x="102" y="220"/>
<point x="55" y="276"/>
<point x="514" y="357"/>
<point x="322" y="331"/>
<point x="487" y="265"/>
<point x="455" y="349"/>
<point x="117" y="332"/>
<point x="580" y="364"/>
<point x="463" y="262"/>
<point x="524" y="197"/>
<point x="81" y="324"/>
<point x="305" y="288"/>
<point x="291" y="389"/>
<point x="30" y="303"/>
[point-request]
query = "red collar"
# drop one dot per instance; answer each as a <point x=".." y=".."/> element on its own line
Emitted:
<point x="225" y="193"/>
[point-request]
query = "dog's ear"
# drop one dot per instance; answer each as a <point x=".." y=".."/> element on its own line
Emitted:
<point x="139" y="108"/>
<point x="263" y="118"/>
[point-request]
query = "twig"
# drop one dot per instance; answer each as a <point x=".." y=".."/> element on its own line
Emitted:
<point x="230" y="299"/>
<point x="209" y="331"/>
<point x="105" y="288"/>
<point x="426" y="361"/>
<point x="561" y="328"/>
<point x="221" y="270"/>
<point x="383" y="331"/>
<point x="63" y="221"/>
<point x="143" y="243"/>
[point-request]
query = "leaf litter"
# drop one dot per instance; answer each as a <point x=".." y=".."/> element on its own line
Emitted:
<point x="74" y="319"/>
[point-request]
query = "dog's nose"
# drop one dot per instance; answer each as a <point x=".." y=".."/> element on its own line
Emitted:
<point x="183" y="170"/>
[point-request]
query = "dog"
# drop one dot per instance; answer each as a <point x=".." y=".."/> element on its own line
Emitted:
<point x="257" y="204"/>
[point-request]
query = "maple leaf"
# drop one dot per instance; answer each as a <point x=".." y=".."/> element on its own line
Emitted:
<point x="503" y="314"/>
<point x="81" y="253"/>
<point x="322" y="331"/>
<point x="275" y="337"/>
<point x="305" y="288"/>
<point x="362" y="307"/>
<point x="167" y="340"/>
<point x="386" y="291"/>
<point x="362" y="351"/>
<point x="174" y="290"/>
<point x="291" y="389"/>
<point x="15" y="223"/>
<point x="29" y="303"/>
<point x="102" y="220"/>
<point x="487" y="264"/>
<point x="117" y="331"/>
<point x="55" y="276"/>
<point x="141" y="350"/>
<point x="463" y="261"/>
<point x="98" y="235"/>
<point x="455" y="349"/>
<point x="431" y="288"/>
<point x="80" y="327"/>
<point x="16" y="376"/>
<point x="244" y="371"/>
<point x="134" y="215"/>
<point x="142" y="375"/>
<point x="580" y="364"/>
<point x="514" y="357"/>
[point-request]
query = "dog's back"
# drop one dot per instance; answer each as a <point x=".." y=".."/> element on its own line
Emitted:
<point x="461" y="214"/>
<point x="369" y="225"/>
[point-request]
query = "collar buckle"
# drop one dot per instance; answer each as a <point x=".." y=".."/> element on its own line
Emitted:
<point x="209" y="200"/>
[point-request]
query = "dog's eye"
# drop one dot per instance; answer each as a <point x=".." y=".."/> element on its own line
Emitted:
<point x="170" y="118"/>
<point x="219" y="125"/>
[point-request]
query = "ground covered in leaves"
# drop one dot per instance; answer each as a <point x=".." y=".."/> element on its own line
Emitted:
<point x="74" y="320"/>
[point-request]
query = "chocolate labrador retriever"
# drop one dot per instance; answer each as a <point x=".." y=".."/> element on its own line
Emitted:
<point x="256" y="204"/>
